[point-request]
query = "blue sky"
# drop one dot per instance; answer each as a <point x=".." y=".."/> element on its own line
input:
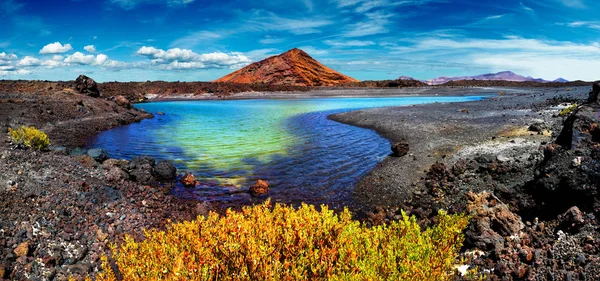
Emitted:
<point x="199" y="40"/>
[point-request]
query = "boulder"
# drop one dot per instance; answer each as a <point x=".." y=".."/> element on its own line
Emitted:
<point x="261" y="187"/>
<point x="123" y="101"/>
<point x="140" y="169"/>
<point x="143" y="174"/>
<point x="110" y="163"/>
<point x="537" y="127"/>
<point x="593" y="96"/>
<point x="188" y="179"/>
<point x="400" y="148"/>
<point x="115" y="174"/>
<point x="98" y="154"/>
<point x="87" y="86"/>
<point x="139" y="161"/>
<point x="165" y="170"/>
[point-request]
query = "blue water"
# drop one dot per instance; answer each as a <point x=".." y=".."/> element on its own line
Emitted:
<point x="290" y="143"/>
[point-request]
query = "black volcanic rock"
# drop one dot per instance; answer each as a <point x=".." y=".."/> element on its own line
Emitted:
<point x="87" y="86"/>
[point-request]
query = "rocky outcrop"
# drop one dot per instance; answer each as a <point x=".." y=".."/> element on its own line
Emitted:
<point x="87" y="86"/>
<point x="294" y="67"/>
<point x="570" y="173"/>
<point x="492" y="222"/>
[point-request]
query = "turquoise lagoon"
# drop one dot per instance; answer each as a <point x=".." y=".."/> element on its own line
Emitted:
<point x="228" y="144"/>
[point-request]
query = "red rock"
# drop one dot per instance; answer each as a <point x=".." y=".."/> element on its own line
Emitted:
<point x="2" y="271"/>
<point x="188" y="179"/>
<point x="259" y="188"/>
<point x="122" y="101"/>
<point x="294" y="67"/>
<point x="22" y="250"/>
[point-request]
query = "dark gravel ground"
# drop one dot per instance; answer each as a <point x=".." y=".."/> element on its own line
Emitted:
<point x="528" y="176"/>
<point x="59" y="209"/>
<point x="437" y="132"/>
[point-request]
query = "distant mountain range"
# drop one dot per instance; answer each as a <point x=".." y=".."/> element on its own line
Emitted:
<point x="500" y="76"/>
<point x="294" y="67"/>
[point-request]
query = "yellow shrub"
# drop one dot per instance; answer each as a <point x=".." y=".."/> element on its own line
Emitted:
<point x="283" y="243"/>
<point x="29" y="137"/>
<point x="567" y="110"/>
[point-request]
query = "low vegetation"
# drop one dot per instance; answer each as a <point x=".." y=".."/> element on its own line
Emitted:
<point x="567" y="110"/>
<point x="279" y="242"/>
<point x="29" y="137"/>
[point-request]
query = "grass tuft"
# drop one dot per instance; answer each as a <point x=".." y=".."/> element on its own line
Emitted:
<point x="29" y="137"/>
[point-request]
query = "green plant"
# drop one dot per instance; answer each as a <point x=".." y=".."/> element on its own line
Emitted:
<point x="279" y="242"/>
<point x="566" y="111"/>
<point x="29" y="137"/>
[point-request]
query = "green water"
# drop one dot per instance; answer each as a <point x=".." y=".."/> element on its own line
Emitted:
<point x="231" y="143"/>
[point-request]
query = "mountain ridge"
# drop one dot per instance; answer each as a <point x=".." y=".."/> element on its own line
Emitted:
<point x="501" y="76"/>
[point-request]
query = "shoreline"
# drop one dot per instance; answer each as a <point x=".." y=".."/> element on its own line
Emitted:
<point x="122" y="197"/>
<point x="334" y="93"/>
<point x="438" y="132"/>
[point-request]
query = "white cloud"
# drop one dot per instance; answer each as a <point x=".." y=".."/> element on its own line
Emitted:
<point x="99" y="60"/>
<point x="80" y="58"/>
<point x="56" y="48"/>
<point x="90" y="48"/>
<point x="350" y="43"/>
<point x="5" y="56"/>
<point x="57" y="58"/>
<point x="29" y="61"/>
<point x="177" y="58"/>
<point x="586" y="24"/>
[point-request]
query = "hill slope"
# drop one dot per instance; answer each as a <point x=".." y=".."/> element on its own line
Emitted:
<point x="294" y="67"/>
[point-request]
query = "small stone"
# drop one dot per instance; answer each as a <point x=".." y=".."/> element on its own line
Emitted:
<point x="188" y="179"/>
<point x="98" y="154"/>
<point x="22" y="250"/>
<point x="577" y="161"/>
<point x="400" y="148"/>
<point x="572" y="218"/>
<point x="101" y="235"/>
<point x="259" y="188"/>
<point x="503" y="158"/>
<point x="525" y="254"/>
<point x="537" y="127"/>
<point x="2" y="271"/>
